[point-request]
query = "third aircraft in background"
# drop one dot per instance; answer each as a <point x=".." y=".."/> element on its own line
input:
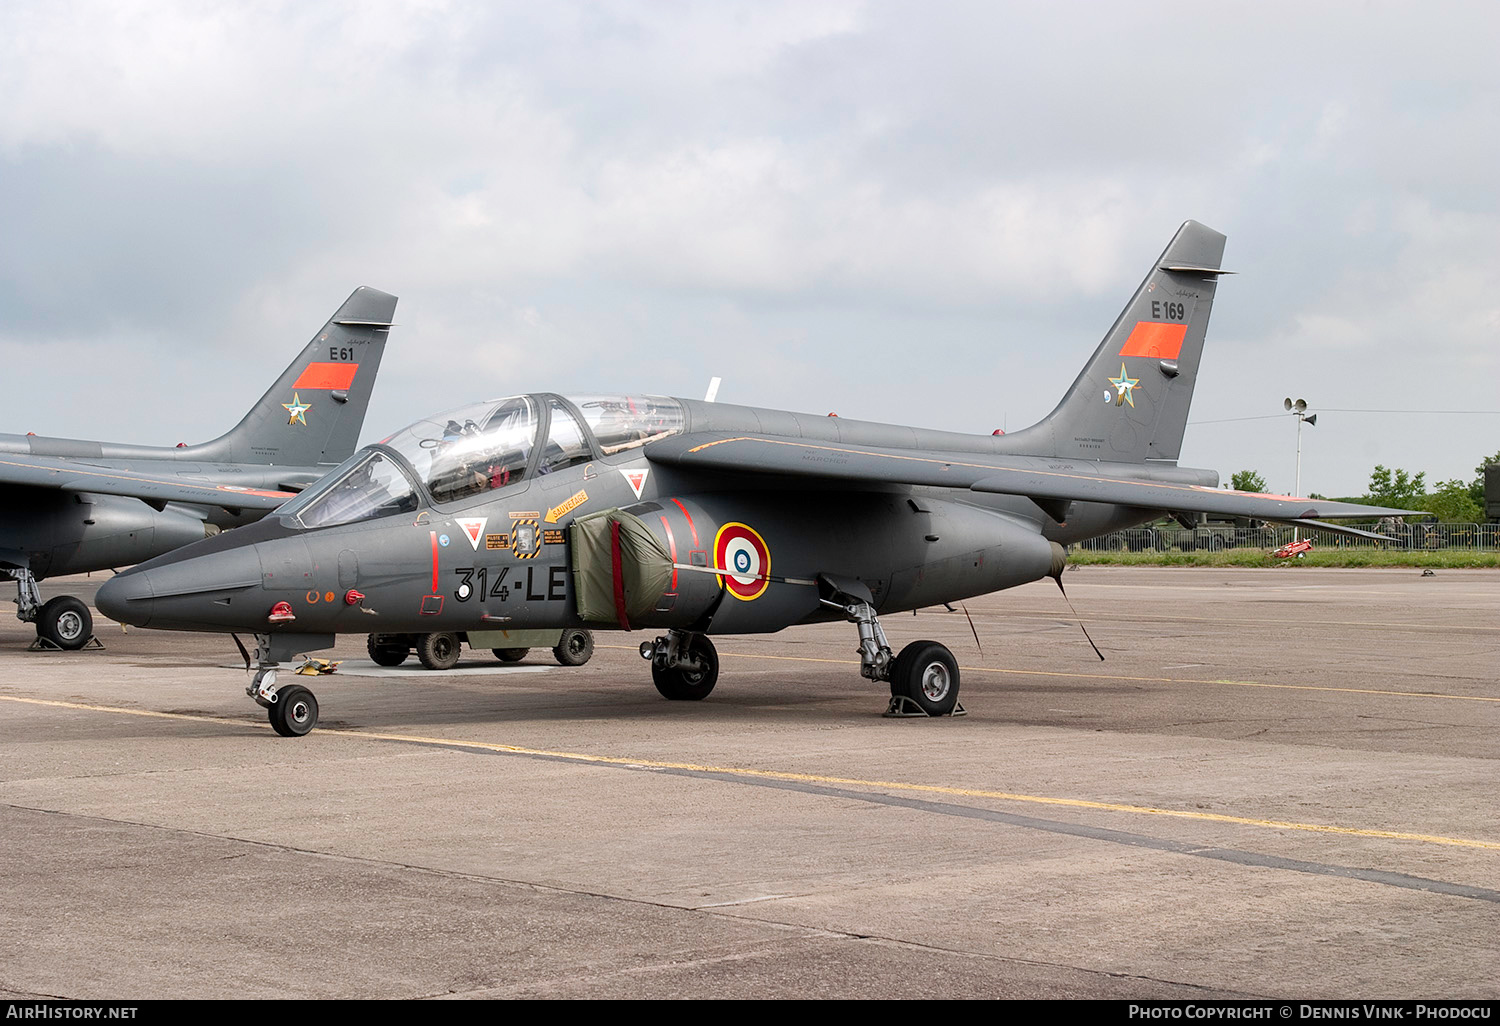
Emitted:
<point x="69" y="506"/>
<point x="692" y="518"/>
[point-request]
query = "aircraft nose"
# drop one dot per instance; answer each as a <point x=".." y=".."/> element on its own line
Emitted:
<point x="127" y="597"/>
<point x="189" y="589"/>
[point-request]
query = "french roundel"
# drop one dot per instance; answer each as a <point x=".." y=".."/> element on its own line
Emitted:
<point x="743" y="553"/>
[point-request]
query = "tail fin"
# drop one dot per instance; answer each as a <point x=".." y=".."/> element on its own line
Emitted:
<point x="1131" y="402"/>
<point x="314" y="412"/>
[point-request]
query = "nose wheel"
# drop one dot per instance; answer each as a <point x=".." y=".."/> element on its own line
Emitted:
<point x="295" y="711"/>
<point x="291" y="708"/>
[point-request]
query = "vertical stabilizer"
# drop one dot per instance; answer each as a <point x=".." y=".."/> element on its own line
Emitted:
<point x="1131" y="402"/>
<point x="314" y="412"/>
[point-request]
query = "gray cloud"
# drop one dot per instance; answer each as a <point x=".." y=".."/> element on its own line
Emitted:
<point x="925" y="214"/>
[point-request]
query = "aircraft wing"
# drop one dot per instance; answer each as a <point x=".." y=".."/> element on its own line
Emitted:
<point x="837" y="461"/>
<point x="154" y="488"/>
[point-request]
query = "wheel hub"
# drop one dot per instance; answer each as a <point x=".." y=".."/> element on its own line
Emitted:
<point x="935" y="682"/>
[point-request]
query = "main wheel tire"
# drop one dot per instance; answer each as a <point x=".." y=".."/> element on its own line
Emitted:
<point x="575" y="647"/>
<point x="510" y="655"/>
<point x="294" y="713"/>
<point x="385" y="653"/>
<point x="926" y="673"/>
<point x="439" y="650"/>
<point x="680" y="685"/>
<point x="66" y="622"/>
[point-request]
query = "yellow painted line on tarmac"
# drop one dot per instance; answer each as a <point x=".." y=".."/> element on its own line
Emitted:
<point x="150" y="713"/>
<point x="1116" y="676"/>
<point x="813" y="778"/>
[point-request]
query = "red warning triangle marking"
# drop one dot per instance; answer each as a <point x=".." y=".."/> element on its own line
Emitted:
<point x="636" y="479"/>
<point x="473" y="529"/>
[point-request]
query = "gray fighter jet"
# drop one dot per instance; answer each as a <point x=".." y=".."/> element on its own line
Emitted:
<point x="70" y="506"/>
<point x="634" y="512"/>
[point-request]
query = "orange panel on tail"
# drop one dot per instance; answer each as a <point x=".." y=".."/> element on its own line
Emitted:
<point x="1157" y="339"/>
<point x="327" y="375"/>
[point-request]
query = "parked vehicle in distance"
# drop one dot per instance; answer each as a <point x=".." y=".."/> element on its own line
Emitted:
<point x="440" y="650"/>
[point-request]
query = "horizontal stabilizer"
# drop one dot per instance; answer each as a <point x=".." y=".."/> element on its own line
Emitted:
<point x="1352" y="532"/>
<point x="1190" y="269"/>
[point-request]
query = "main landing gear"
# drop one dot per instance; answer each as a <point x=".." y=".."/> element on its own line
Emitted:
<point x="684" y="665"/>
<point x="62" y="623"/>
<point x="923" y="677"/>
<point x="291" y="708"/>
<point x="924" y="681"/>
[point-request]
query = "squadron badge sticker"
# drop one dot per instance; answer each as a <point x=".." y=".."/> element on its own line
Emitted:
<point x="296" y="410"/>
<point x="1124" y="389"/>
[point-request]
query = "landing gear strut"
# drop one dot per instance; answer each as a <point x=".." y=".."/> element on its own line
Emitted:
<point x="62" y="623"/>
<point x="923" y="677"/>
<point x="684" y="665"/>
<point x="291" y="708"/>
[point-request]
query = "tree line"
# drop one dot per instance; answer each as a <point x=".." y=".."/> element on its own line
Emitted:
<point x="1454" y="502"/>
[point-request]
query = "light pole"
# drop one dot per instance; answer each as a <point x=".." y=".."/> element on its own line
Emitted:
<point x="1298" y="409"/>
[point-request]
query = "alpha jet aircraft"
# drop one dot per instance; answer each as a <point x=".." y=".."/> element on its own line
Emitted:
<point x="637" y="512"/>
<point x="69" y="506"/>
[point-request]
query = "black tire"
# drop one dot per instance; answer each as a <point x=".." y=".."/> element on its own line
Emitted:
<point x="66" y="622"/>
<point x="439" y="650"/>
<point x="683" y="686"/>
<point x="385" y="653"/>
<point x="294" y="713"/>
<point x="510" y="655"/>
<point x="926" y="673"/>
<point x="575" y="648"/>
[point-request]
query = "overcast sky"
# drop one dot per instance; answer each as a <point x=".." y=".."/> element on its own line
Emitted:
<point x="925" y="213"/>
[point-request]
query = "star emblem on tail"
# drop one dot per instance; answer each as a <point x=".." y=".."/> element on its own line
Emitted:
<point x="296" y="410"/>
<point x="1124" y="388"/>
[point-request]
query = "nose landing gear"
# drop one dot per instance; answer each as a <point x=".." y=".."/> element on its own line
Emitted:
<point x="291" y="708"/>
<point x="294" y="711"/>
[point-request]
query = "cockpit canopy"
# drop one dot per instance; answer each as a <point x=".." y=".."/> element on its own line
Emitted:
<point x="482" y="447"/>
